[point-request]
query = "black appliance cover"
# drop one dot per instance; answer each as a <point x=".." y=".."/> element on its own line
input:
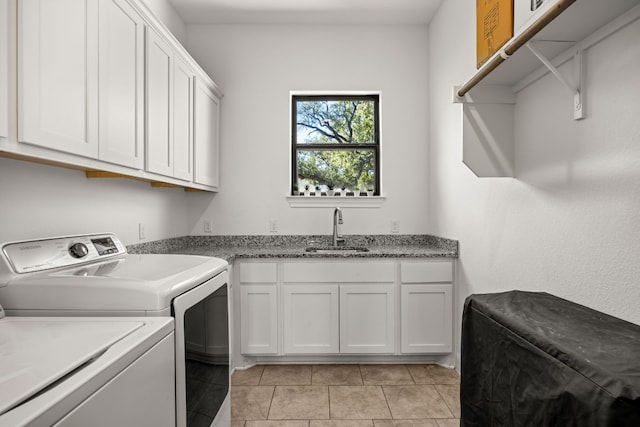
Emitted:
<point x="533" y="359"/>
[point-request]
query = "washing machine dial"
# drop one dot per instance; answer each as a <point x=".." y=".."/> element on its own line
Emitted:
<point x="78" y="250"/>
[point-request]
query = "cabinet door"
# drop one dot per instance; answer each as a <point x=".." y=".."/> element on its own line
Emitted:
<point x="182" y="120"/>
<point x="57" y="75"/>
<point x="311" y="319"/>
<point x="258" y="319"/>
<point x="121" y="90"/>
<point x="367" y="318"/>
<point x="159" y="85"/>
<point x="4" y="68"/>
<point x="206" y="137"/>
<point x="426" y="318"/>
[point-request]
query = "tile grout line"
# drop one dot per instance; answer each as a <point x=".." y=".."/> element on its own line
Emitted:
<point x="385" y="401"/>
<point x="273" y="393"/>
<point x="329" y="402"/>
<point x="411" y="375"/>
<point x="444" y="400"/>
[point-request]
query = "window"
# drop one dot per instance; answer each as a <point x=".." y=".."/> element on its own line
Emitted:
<point x="335" y="143"/>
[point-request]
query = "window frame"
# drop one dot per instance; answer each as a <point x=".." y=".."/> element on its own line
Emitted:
<point x="335" y="96"/>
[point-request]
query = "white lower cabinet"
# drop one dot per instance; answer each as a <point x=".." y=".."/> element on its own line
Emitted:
<point x="259" y="319"/>
<point x="426" y="318"/>
<point x="311" y="319"/>
<point x="346" y="307"/>
<point x="367" y="318"/>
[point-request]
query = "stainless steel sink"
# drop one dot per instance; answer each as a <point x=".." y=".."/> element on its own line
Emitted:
<point x="337" y="250"/>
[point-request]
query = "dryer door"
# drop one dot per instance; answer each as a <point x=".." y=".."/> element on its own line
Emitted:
<point x="202" y="352"/>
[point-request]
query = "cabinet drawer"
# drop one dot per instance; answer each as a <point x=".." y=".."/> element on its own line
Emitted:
<point x="339" y="272"/>
<point x="426" y="272"/>
<point x="258" y="272"/>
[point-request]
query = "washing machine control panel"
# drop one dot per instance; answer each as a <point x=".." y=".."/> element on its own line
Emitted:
<point x="38" y="255"/>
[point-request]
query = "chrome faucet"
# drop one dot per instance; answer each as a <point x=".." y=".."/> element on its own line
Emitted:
<point x="337" y="219"/>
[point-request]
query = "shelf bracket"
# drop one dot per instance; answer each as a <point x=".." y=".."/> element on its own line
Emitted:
<point x="574" y="88"/>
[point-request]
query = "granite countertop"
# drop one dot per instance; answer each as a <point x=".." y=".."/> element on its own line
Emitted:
<point x="231" y="248"/>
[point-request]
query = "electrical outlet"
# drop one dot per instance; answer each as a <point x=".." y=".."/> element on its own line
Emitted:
<point x="273" y="226"/>
<point x="395" y="226"/>
<point x="207" y="226"/>
<point x="141" y="234"/>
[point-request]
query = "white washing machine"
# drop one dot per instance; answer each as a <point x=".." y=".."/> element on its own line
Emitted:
<point x="92" y="275"/>
<point x="86" y="371"/>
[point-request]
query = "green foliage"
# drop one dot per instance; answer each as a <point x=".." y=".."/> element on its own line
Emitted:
<point x="336" y="124"/>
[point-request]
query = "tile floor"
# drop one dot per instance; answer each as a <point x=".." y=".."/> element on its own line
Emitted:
<point x="345" y="396"/>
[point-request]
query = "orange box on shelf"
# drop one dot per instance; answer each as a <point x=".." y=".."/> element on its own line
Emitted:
<point x="494" y="27"/>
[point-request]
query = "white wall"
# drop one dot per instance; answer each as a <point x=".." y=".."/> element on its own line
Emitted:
<point x="568" y="223"/>
<point x="257" y="66"/>
<point x="166" y="13"/>
<point x="45" y="201"/>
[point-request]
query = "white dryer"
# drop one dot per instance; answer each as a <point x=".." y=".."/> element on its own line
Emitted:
<point x="93" y="275"/>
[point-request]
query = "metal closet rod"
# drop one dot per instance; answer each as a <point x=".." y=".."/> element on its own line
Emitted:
<point x="514" y="45"/>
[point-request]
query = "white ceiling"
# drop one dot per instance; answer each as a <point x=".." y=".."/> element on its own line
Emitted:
<point x="306" y="11"/>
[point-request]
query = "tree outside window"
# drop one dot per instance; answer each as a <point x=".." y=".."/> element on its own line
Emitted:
<point x="336" y="143"/>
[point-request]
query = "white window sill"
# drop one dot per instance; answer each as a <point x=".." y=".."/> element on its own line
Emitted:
<point x="332" y="201"/>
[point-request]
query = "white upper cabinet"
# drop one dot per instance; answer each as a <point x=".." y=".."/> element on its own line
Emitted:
<point x="159" y="105"/>
<point x="121" y="89"/>
<point x="206" y="137"/>
<point x="57" y="75"/>
<point x="102" y="85"/>
<point x="182" y="120"/>
<point x="4" y="68"/>
<point x="169" y="96"/>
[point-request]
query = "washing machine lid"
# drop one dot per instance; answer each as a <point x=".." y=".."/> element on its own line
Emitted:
<point x="37" y="352"/>
<point x="132" y="282"/>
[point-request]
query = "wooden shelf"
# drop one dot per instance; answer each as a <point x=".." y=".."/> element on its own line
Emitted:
<point x="581" y="18"/>
<point x="488" y="98"/>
